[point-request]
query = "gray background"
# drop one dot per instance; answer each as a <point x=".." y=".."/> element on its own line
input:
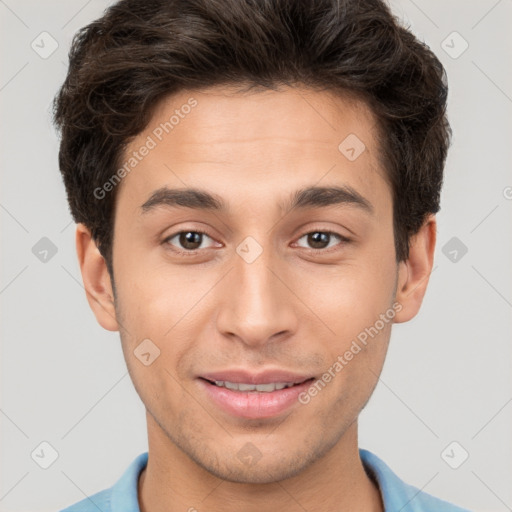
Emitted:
<point x="448" y="372"/>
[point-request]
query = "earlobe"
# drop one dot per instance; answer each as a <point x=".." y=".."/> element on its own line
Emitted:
<point x="414" y="273"/>
<point x="96" y="279"/>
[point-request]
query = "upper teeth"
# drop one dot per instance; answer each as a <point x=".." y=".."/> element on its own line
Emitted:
<point x="239" y="386"/>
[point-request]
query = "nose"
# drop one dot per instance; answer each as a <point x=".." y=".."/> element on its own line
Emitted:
<point x="258" y="306"/>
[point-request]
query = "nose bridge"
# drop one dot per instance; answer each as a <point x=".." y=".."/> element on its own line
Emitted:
<point x="258" y="305"/>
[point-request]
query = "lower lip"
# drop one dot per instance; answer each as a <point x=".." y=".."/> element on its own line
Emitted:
<point x="254" y="404"/>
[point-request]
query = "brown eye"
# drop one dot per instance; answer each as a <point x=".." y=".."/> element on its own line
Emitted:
<point x="187" y="241"/>
<point x="318" y="240"/>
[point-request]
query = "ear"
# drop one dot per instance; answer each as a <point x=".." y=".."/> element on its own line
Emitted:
<point x="96" y="279"/>
<point x="414" y="273"/>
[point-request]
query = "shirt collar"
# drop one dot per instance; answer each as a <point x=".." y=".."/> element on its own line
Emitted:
<point x="124" y="496"/>
<point x="396" y="494"/>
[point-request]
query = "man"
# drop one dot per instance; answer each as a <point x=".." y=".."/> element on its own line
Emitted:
<point x="255" y="185"/>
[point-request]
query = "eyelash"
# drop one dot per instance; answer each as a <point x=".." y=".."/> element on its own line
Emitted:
<point x="184" y="252"/>
<point x="343" y="240"/>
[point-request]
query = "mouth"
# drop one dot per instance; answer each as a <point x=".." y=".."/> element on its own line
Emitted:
<point x="259" y="388"/>
<point x="242" y="398"/>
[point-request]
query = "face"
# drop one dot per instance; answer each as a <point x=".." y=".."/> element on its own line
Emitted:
<point x="268" y="274"/>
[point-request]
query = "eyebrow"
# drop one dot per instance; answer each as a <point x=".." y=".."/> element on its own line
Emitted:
<point x="309" y="197"/>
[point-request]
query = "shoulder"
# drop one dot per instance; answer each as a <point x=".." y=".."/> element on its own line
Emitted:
<point x="121" y="497"/>
<point x="398" y="495"/>
<point x="98" y="501"/>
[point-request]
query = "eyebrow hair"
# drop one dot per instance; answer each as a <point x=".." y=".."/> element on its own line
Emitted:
<point x="186" y="197"/>
<point x="309" y="197"/>
<point x="317" y="197"/>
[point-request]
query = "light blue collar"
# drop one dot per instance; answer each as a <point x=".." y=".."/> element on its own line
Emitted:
<point x="397" y="496"/>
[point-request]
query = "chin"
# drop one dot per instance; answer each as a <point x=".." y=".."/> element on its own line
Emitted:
<point x="249" y="465"/>
<point x="261" y="473"/>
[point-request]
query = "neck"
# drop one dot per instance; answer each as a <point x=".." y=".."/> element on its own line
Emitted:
<point x="172" y="482"/>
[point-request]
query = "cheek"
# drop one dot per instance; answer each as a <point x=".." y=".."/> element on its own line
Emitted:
<point x="350" y="297"/>
<point x="155" y="368"/>
<point x="355" y="304"/>
<point x="155" y="300"/>
<point x="158" y="310"/>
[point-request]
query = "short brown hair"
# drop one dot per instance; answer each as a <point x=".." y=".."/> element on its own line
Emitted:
<point x="140" y="51"/>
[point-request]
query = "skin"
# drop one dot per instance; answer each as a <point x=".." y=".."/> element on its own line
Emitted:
<point x="296" y="307"/>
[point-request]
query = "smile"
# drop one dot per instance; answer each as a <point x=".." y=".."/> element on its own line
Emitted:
<point x="264" y="388"/>
<point x="254" y="400"/>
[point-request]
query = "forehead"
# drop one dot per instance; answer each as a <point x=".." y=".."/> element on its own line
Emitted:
<point x="299" y="113"/>
<point x="256" y="142"/>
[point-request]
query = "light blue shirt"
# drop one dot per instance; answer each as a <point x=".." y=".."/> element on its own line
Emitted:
<point x="397" y="496"/>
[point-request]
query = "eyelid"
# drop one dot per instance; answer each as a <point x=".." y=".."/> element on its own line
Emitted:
<point x="343" y="240"/>
<point x="193" y="252"/>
